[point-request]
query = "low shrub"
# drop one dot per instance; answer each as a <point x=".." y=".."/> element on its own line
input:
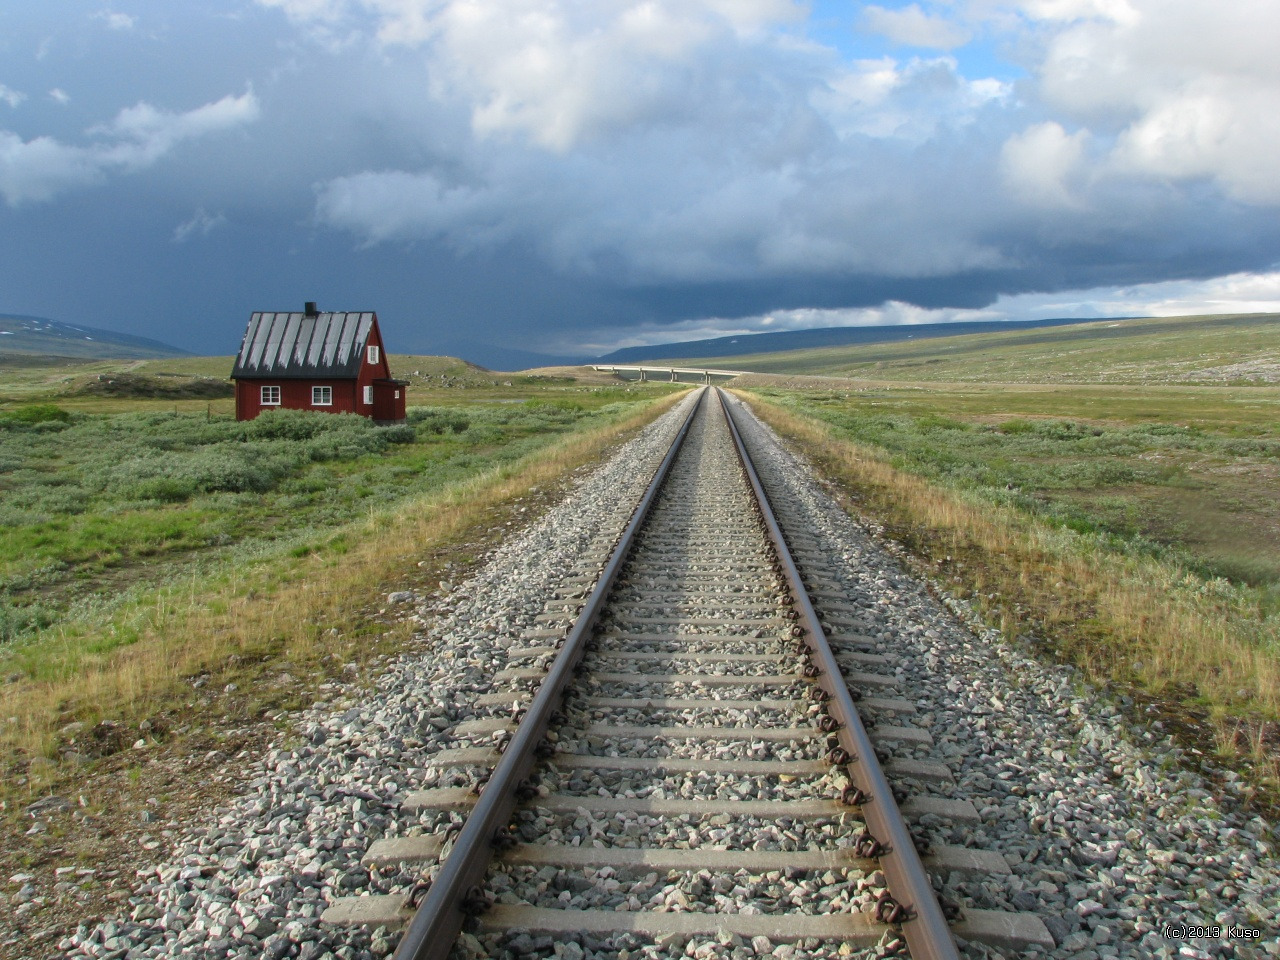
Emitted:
<point x="40" y="413"/>
<point x="399" y="433"/>
<point x="296" y="424"/>
<point x="165" y="489"/>
<point x="1011" y="427"/>
<point x="16" y="621"/>
<point x="35" y="413"/>
<point x="436" y="420"/>
<point x="169" y="388"/>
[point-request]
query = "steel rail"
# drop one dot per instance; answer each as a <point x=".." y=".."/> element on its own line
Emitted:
<point x="923" y="923"/>
<point x="438" y="921"/>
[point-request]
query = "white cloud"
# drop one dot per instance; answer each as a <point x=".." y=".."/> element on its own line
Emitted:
<point x="200" y="223"/>
<point x="115" y="20"/>
<point x="1116" y="11"/>
<point x="1232" y="294"/>
<point x="36" y="170"/>
<point x="909" y="101"/>
<point x="142" y="133"/>
<point x="561" y="72"/>
<point x="57" y="95"/>
<point x="912" y="26"/>
<point x="39" y="169"/>
<point x="1229" y="132"/>
<point x="889" y="313"/>
<point x="1039" y="163"/>
<point x="11" y="97"/>
<point x="565" y="73"/>
<point x="1190" y="90"/>
<point x="311" y="11"/>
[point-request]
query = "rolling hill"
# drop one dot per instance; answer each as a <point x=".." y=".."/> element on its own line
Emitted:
<point x="43" y="337"/>
<point x="1234" y="348"/>
<point x="789" y="340"/>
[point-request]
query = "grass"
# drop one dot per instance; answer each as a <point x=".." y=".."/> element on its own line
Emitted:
<point x="1099" y="539"/>
<point x="1235" y="349"/>
<point x="96" y="505"/>
<point x="236" y="573"/>
<point x="1187" y="473"/>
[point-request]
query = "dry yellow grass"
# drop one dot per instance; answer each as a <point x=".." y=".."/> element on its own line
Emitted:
<point x="288" y="614"/>
<point x="1194" y="646"/>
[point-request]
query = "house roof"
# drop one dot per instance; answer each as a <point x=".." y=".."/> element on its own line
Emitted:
<point x="295" y="345"/>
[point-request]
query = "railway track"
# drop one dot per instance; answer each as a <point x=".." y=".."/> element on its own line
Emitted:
<point x="676" y="754"/>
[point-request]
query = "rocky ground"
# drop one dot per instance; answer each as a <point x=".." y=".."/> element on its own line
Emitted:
<point x="1109" y="838"/>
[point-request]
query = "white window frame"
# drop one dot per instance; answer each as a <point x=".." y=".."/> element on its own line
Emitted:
<point x="368" y="393"/>
<point x="373" y="353"/>
<point x="318" y="392"/>
<point x="269" y="397"/>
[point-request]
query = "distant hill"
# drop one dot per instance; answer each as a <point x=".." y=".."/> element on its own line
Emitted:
<point x="43" y="337"/>
<point x="1204" y="349"/>
<point x="753" y="343"/>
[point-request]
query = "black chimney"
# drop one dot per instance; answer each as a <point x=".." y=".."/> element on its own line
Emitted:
<point x="311" y="310"/>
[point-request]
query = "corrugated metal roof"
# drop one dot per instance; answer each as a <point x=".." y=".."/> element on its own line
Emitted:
<point x="293" y="345"/>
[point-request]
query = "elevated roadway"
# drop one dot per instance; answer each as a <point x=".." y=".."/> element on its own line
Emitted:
<point x="670" y="374"/>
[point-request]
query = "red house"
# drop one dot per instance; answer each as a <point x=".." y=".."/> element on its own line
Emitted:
<point x="316" y="361"/>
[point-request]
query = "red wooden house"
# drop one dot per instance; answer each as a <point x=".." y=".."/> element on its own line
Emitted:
<point x="316" y="361"/>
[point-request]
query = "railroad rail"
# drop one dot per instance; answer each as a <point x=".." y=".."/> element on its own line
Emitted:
<point x="693" y="683"/>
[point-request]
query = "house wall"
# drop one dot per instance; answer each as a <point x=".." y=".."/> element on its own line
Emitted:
<point x="369" y="372"/>
<point x="295" y="395"/>
<point x="388" y="402"/>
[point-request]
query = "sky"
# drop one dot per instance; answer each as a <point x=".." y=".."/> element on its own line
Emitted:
<point x="572" y="176"/>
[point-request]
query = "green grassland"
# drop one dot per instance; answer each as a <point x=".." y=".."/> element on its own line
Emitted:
<point x="1109" y="491"/>
<point x="117" y="477"/>
<point x="1234" y="349"/>
<point x="1187" y="473"/>
<point x="1162" y="435"/>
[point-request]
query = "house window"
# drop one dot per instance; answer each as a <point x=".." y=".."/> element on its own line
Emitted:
<point x="271" y="396"/>
<point x="368" y="394"/>
<point x="373" y="354"/>
<point x="322" y="396"/>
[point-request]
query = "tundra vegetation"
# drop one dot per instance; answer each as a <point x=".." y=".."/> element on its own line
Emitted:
<point x="1214" y="349"/>
<point x="1126" y="523"/>
<point x="153" y="543"/>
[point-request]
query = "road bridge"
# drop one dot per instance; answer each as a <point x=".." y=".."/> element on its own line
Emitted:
<point x="670" y="374"/>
